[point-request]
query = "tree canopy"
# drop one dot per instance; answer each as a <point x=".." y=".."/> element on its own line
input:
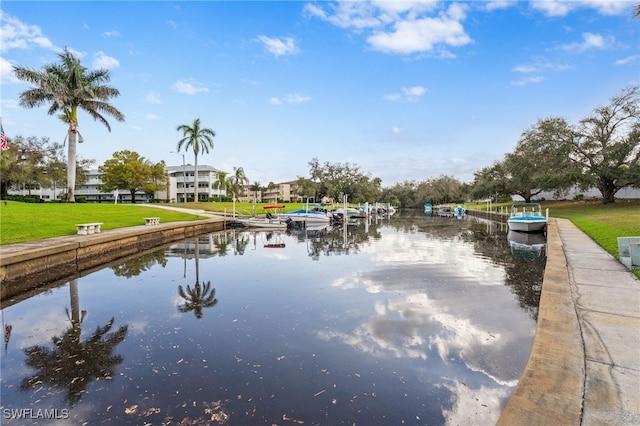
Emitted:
<point x="128" y="171"/>
<point x="606" y="145"/>
<point x="540" y="161"/>
<point x="334" y="180"/>
<point x="32" y="162"/>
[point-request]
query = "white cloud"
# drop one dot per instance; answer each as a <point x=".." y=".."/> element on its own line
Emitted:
<point x="628" y="60"/>
<point x="540" y="64"/>
<point x="154" y="98"/>
<point x="102" y="61"/>
<point x="528" y="80"/>
<point x="552" y="7"/>
<point x="279" y="46"/>
<point x="399" y="27"/>
<point x="353" y="15"/>
<point x="14" y="34"/>
<point x="589" y="41"/>
<point x="151" y="117"/>
<point x="9" y="104"/>
<point x="499" y="4"/>
<point x="111" y="33"/>
<point x="396" y="130"/>
<point x="407" y="94"/>
<point x="6" y="72"/>
<point x="564" y="7"/>
<point x="189" y="87"/>
<point x="294" y="98"/>
<point x="414" y="91"/>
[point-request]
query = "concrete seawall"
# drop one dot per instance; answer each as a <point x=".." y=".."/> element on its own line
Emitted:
<point x="23" y="266"/>
<point x="551" y="387"/>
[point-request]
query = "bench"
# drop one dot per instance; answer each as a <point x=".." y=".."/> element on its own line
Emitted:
<point x="152" y="221"/>
<point x="88" y="228"/>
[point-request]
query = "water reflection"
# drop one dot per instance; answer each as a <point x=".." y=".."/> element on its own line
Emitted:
<point x="412" y="320"/>
<point x="72" y="364"/>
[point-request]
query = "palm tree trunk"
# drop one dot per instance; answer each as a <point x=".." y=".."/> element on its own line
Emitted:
<point x="71" y="162"/>
<point x="195" y="179"/>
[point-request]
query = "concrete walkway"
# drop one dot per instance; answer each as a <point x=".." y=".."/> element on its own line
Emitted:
<point x="584" y="367"/>
<point x="607" y="300"/>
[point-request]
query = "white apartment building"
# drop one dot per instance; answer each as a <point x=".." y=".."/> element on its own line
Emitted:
<point x="88" y="190"/>
<point x="181" y="182"/>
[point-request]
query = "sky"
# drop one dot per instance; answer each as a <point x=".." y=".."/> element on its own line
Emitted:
<point x="407" y="91"/>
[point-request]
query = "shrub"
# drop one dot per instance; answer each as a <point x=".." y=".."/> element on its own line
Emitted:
<point x="24" y="198"/>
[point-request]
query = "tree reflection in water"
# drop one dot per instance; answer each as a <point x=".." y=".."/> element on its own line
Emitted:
<point x="200" y="296"/>
<point x="72" y="364"/>
<point x="197" y="299"/>
<point x="138" y="264"/>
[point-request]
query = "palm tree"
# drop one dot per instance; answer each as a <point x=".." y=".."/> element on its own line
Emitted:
<point x="237" y="182"/>
<point x="255" y="187"/>
<point x="200" y="140"/>
<point x="221" y="183"/>
<point x="68" y="86"/>
<point x="236" y="185"/>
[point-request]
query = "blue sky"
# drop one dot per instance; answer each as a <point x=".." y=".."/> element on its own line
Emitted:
<point x="406" y="90"/>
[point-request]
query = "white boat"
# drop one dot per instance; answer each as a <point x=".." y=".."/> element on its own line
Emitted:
<point x="259" y="222"/>
<point x="270" y="221"/>
<point x="306" y="215"/>
<point x="527" y="217"/>
<point x="351" y="212"/>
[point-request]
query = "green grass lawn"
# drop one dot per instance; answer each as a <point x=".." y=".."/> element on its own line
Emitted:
<point x="240" y="208"/>
<point x="22" y="222"/>
<point x="603" y="223"/>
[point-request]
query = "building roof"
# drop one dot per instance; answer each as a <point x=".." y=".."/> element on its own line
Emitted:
<point x="191" y="167"/>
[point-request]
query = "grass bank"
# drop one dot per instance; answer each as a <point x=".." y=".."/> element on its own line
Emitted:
<point x="22" y="222"/>
<point x="603" y="223"/>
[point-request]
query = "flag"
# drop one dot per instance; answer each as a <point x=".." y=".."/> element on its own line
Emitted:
<point x="3" y="139"/>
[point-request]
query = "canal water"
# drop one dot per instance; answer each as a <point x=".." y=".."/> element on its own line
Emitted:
<point x="408" y="320"/>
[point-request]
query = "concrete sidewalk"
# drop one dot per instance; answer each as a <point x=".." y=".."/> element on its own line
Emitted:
<point x="584" y="368"/>
<point x="607" y="301"/>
